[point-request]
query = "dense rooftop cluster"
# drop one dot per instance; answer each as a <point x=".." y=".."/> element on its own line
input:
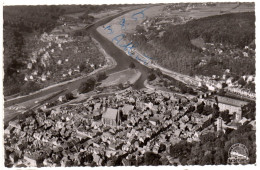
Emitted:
<point x="123" y="127"/>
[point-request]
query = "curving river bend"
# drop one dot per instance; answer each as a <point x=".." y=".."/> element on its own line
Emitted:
<point x="120" y="57"/>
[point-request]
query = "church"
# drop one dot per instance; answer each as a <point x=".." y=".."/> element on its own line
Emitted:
<point x="111" y="117"/>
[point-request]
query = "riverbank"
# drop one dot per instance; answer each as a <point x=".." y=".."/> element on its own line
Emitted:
<point x="108" y="49"/>
<point x="110" y="64"/>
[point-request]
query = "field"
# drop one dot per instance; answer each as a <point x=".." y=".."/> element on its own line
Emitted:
<point x="198" y="42"/>
<point x="197" y="12"/>
<point x="130" y="24"/>
<point x="123" y="77"/>
<point x="205" y="11"/>
<point x="103" y="14"/>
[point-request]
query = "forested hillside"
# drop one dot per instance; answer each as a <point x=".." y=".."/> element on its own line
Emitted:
<point x="19" y="21"/>
<point x="229" y="34"/>
<point x="23" y="25"/>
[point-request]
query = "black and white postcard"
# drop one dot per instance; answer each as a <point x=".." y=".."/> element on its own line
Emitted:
<point x="136" y="84"/>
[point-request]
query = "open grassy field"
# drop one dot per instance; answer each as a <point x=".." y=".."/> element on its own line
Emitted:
<point x="74" y="15"/>
<point x="197" y="12"/>
<point x="103" y="14"/>
<point x="130" y="23"/>
<point x="205" y="11"/>
<point x="130" y="75"/>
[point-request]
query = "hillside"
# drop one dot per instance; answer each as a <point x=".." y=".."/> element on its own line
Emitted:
<point x="227" y="34"/>
<point x="28" y="58"/>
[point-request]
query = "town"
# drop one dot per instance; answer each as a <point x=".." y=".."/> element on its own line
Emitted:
<point x="129" y="85"/>
<point x="122" y="127"/>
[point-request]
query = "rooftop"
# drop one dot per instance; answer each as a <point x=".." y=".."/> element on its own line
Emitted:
<point x="230" y="101"/>
<point x="110" y="114"/>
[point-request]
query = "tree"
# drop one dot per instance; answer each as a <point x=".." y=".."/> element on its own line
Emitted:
<point x="196" y="151"/>
<point x="110" y="163"/>
<point x="200" y="108"/>
<point x="183" y="89"/>
<point x="151" y="77"/>
<point x="209" y="137"/>
<point x="207" y="160"/>
<point x="69" y="96"/>
<point x="132" y="65"/>
<point x="79" y="33"/>
<point x="251" y="86"/>
<point x="241" y="81"/>
<point x="101" y="76"/>
<point x="164" y="161"/>
<point x="87" y="86"/>
<point x="139" y="29"/>
<point x="224" y="85"/>
<point x="158" y="72"/>
<point x="225" y="116"/>
<point x="162" y="147"/>
<point x="181" y="148"/>
<point x="86" y="18"/>
<point x="190" y="90"/>
<point x="235" y="78"/>
<point x="30" y="86"/>
<point x="121" y="86"/>
<point x="151" y="158"/>
<point x="221" y="92"/>
<point x="88" y="158"/>
<point x="207" y="110"/>
<point x="82" y="67"/>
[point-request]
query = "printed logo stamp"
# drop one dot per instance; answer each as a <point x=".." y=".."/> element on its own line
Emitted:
<point x="238" y="154"/>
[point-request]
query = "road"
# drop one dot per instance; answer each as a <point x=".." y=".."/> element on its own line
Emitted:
<point x="120" y="57"/>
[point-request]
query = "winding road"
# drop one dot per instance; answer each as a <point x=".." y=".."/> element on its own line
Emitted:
<point x="120" y="57"/>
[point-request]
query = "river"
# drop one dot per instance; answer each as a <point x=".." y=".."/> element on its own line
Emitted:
<point x="121" y="58"/>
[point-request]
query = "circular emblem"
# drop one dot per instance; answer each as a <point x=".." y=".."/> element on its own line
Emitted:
<point x="238" y="154"/>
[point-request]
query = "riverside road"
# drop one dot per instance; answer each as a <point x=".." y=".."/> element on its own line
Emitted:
<point x="120" y="57"/>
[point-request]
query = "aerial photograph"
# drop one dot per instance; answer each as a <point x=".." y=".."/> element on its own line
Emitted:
<point x="162" y="84"/>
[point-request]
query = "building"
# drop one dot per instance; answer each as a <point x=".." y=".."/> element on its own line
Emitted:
<point x="32" y="159"/>
<point x="111" y="117"/>
<point x="127" y="109"/>
<point x="219" y="124"/>
<point x="232" y="105"/>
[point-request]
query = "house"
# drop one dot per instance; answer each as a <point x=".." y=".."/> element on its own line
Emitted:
<point x="210" y="87"/>
<point x="110" y="153"/>
<point x="253" y="123"/>
<point x="97" y="106"/>
<point x="116" y="145"/>
<point x="126" y="162"/>
<point x="106" y="136"/>
<point x="154" y="121"/>
<point x="62" y="98"/>
<point x="15" y="124"/>
<point x="31" y="159"/>
<point x="229" y="80"/>
<point x="177" y="132"/>
<point x="127" y="108"/>
<point x="111" y="117"/>
<point x="9" y="130"/>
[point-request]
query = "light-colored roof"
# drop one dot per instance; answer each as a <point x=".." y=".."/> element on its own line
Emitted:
<point x="253" y="123"/>
<point x="127" y="108"/>
<point x="110" y="114"/>
<point x="97" y="106"/>
<point x="230" y="101"/>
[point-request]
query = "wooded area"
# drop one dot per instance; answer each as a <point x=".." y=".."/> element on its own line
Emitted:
<point x="175" y="51"/>
<point x="19" y="21"/>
